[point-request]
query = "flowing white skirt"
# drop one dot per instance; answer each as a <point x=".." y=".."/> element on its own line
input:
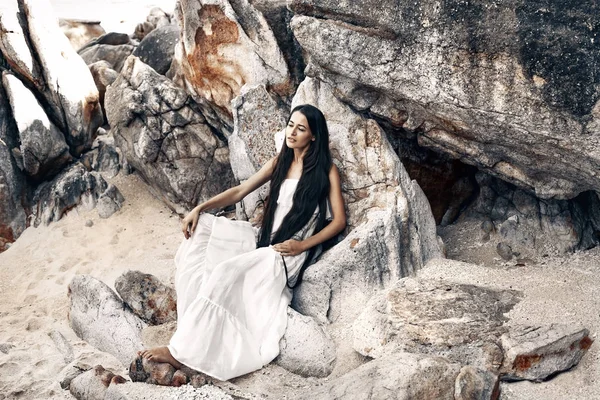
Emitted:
<point x="232" y="299"/>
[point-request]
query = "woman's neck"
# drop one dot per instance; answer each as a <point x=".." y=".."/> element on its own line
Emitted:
<point x="299" y="155"/>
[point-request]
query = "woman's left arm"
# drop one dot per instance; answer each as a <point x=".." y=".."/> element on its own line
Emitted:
<point x="338" y="223"/>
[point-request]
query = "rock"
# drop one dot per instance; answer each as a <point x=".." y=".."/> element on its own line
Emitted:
<point x="93" y="308"/>
<point x="110" y="201"/>
<point x="538" y="353"/>
<point x="56" y="75"/>
<point x="43" y="150"/>
<point x="224" y="46"/>
<point x="158" y="47"/>
<point x="67" y="374"/>
<point x="149" y="298"/>
<point x="89" y="223"/>
<point x="115" y="55"/>
<point x="63" y="346"/>
<point x="92" y="384"/>
<point x="164" y="136"/>
<point x="473" y="383"/>
<point x="532" y="226"/>
<point x="393" y="229"/>
<point x="110" y="38"/>
<point x="156" y="18"/>
<point x="13" y="219"/>
<point x="404" y="376"/>
<point x="5" y="347"/>
<point x="74" y="186"/>
<point x="504" y="251"/>
<point x="257" y="116"/>
<point x="103" y="76"/>
<point x="487" y="226"/>
<point x="104" y="157"/>
<point x="461" y="322"/>
<point x="80" y="32"/>
<point x="458" y="73"/>
<point x="306" y="349"/>
<point x="278" y="16"/>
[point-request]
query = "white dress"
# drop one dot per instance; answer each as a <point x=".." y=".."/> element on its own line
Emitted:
<point x="232" y="298"/>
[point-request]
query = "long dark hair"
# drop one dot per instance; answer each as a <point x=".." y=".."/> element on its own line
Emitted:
<point x="312" y="189"/>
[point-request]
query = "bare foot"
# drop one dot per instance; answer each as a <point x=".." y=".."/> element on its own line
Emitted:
<point x="160" y="355"/>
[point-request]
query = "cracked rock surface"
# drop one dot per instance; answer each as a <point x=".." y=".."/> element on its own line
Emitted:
<point x="164" y="136"/>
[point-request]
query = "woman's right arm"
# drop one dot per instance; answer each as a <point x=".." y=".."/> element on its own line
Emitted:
<point x="228" y="197"/>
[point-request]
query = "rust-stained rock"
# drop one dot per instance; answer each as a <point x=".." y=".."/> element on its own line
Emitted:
<point x="537" y="353"/>
<point x="224" y="46"/>
<point x="149" y="298"/>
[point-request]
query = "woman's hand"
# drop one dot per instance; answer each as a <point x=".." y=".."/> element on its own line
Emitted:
<point x="289" y="248"/>
<point x="189" y="223"/>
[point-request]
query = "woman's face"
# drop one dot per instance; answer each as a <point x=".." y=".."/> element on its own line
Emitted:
<point x="297" y="132"/>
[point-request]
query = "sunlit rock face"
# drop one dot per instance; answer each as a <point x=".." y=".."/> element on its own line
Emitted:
<point x="511" y="89"/>
<point x="225" y="45"/>
<point x="39" y="54"/>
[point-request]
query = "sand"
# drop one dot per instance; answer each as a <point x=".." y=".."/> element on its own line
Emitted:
<point x="144" y="235"/>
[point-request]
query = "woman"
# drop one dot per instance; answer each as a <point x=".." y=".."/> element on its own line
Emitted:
<point x="232" y="292"/>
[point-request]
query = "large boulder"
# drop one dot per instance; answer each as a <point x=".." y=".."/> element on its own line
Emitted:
<point x="306" y="349"/>
<point x="225" y="45"/>
<point x="40" y="55"/>
<point x="158" y="47"/>
<point x="461" y="322"/>
<point x="98" y="316"/>
<point x="43" y="150"/>
<point x="496" y="87"/>
<point x="164" y="136"/>
<point x="13" y="218"/>
<point x="393" y="231"/>
<point x="406" y="376"/>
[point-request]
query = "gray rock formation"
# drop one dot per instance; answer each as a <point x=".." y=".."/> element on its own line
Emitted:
<point x="103" y="76"/>
<point x="164" y="136"/>
<point x="158" y="47"/>
<point x="487" y="85"/>
<point x="149" y="298"/>
<point x="306" y="349"/>
<point x="109" y="201"/>
<point x="40" y="55"/>
<point x="43" y="150"/>
<point x="461" y="322"/>
<point x="115" y="55"/>
<point x="532" y="226"/>
<point x="63" y="346"/>
<point x="99" y="317"/>
<point x="157" y="18"/>
<point x="74" y="186"/>
<point x="225" y="45"/>
<point x="103" y="157"/>
<point x="92" y="385"/>
<point x="394" y="231"/>
<point x="538" y="353"/>
<point x="13" y="218"/>
<point x="405" y="376"/>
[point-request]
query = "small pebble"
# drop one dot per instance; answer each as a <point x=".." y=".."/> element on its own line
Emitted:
<point x="89" y="223"/>
<point x="504" y="251"/>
